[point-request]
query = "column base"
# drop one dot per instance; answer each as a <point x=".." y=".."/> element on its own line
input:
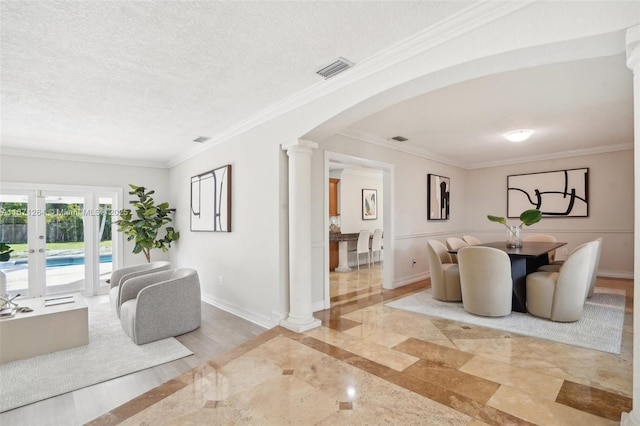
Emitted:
<point x="300" y="328"/>
<point x="630" y="419"/>
<point x="343" y="269"/>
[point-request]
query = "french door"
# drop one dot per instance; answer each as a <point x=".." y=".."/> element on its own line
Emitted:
<point x="63" y="238"/>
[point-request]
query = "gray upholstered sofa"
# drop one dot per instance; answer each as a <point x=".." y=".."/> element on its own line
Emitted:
<point x="160" y="305"/>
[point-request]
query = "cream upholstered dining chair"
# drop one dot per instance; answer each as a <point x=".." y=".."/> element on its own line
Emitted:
<point x="160" y="305"/>
<point x="376" y="245"/>
<point x="445" y="279"/>
<point x="542" y="238"/>
<point x="119" y="276"/>
<point x="454" y="243"/>
<point x="363" y="247"/>
<point x="471" y="240"/>
<point x="593" y="276"/>
<point x="485" y="281"/>
<point x="559" y="296"/>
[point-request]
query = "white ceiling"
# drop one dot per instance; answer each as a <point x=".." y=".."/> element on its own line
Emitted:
<point x="579" y="106"/>
<point x="141" y="80"/>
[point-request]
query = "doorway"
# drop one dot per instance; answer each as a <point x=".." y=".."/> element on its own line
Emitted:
<point x="63" y="238"/>
<point x="384" y="273"/>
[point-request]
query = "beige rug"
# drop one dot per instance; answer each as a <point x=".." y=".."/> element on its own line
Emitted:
<point x="599" y="328"/>
<point x="109" y="354"/>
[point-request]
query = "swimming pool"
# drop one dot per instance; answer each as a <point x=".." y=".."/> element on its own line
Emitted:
<point x="67" y="260"/>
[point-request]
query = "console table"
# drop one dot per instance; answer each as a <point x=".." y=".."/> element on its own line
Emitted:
<point x="46" y="329"/>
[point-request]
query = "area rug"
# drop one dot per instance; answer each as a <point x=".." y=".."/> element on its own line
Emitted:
<point x="109" y="354"/>
<point x="600" y="326"/>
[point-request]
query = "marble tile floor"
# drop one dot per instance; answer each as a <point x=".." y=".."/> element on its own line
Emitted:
<point x="369" y="364"/>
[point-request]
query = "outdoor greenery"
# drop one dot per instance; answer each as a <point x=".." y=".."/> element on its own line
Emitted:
<point x="145" y="223"/>
<point x="64" y="222"/>
<point x="5" y="252"/>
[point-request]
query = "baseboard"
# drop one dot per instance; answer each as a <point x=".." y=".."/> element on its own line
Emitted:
<point x="615" y="274"/>
<point x="317" y="306"/>
<point x="410" y="279"/>
<point x="235" y="310"/>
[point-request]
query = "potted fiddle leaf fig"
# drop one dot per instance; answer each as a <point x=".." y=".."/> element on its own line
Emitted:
<point x="143" y="225"/>
<point x="527" y="218"/>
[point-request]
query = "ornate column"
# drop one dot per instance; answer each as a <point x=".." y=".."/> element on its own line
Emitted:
<point x="633" y="62"/>
<point x="300" y="315"/>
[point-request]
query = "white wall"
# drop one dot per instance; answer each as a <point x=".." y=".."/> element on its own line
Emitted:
<point x="410" y="224"/>
<point x="239" y="271"/>
<point x="69" y="172"/>
<point x="611" y="201"/>
<point x="352" y="182"/>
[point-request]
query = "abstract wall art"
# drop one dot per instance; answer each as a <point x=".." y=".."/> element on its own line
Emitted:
<point x="369" y="204"/>
<point x="561" y="193"/>
<point x="211" y="200"/>
<point x="438" y="196"/>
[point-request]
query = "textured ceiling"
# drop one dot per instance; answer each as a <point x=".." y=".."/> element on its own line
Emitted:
<point x="141" y="80"/>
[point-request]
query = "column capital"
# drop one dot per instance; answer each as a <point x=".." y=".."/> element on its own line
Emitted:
<point x="300" y="143"/>
<point x="633" y="48"/>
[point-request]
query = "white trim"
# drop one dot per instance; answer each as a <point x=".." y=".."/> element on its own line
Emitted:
<point x="318" y="305"/>
<point x="464" y="21"/>
<point x="418" y="152"/>
<point x="398" y="146"/>
<point x="627" y="275"/>
<point x="14" y="152"/>
<point x="411" y="279"/>
<point x="240" y="312"/>
<point x="555" y="155"/>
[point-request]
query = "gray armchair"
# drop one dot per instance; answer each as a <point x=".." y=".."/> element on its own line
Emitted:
<point x="121" y="275"/>
<point x="160" y="305"/>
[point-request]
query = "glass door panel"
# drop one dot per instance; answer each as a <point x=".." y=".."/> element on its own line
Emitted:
<point x="14" y="232"/>
<point x="65" y="243"/>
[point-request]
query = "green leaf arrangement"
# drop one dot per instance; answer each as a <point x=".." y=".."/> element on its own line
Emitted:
<point x="143" y="224"/>
<point x="527" y="218"/>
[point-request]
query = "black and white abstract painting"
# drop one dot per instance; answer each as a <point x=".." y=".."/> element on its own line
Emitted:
<point x="438" y="196"/>
<point x="211" y="200"/>
<point x="561" y="193"/>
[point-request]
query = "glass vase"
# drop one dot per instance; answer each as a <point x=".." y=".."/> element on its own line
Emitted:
<point x="513" y="236"/>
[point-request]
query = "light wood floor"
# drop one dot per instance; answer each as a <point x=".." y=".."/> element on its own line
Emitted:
<point x="219" y="333"/>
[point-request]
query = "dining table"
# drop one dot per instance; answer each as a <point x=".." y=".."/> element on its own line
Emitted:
<point x="524" y="260"/>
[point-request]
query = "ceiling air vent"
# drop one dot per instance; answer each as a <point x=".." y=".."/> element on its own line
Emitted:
<point x="400" y="138"/>
<point x="328" y="71"/>
<point x="202" y="139"/>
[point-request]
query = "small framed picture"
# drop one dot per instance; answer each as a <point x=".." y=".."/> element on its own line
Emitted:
<point x="369" y="204"/>
<point x="438" y="194"/>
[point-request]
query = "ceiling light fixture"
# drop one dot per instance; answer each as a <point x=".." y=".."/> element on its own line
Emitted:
<point x="399" y="138"/>
<point x="334" y="68"/>
<point x="518" y="135"/>
<point x="201" y="139"/>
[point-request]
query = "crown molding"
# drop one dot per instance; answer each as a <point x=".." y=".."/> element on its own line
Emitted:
<point x="464" y="21"/>
<point x="555" y="155"/>
<point x="396" y="146"/>
<point x="417" y="152"/>
<point x="13" y="152"/>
